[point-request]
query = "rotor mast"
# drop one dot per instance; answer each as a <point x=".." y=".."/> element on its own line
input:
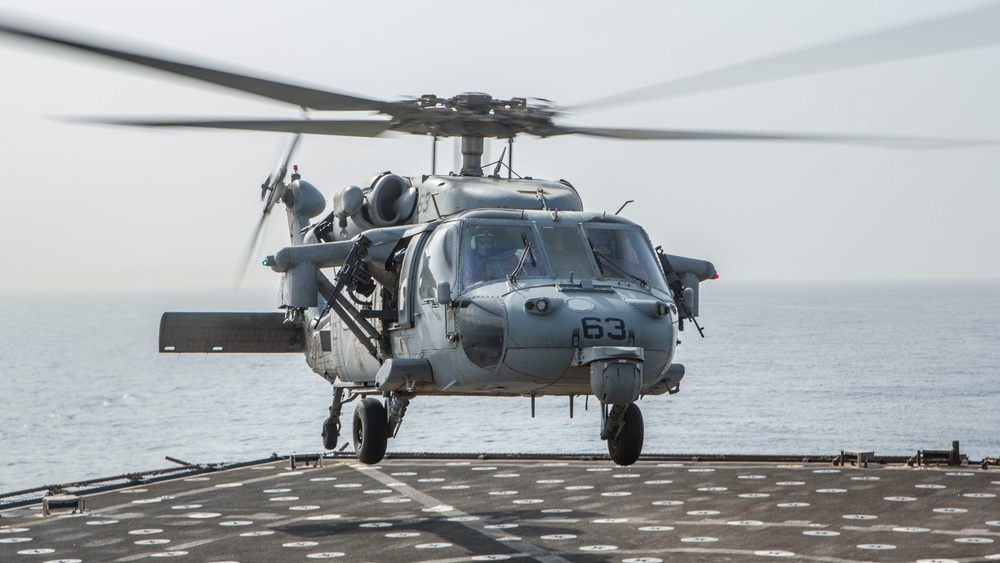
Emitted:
<point x="472" y="155"/>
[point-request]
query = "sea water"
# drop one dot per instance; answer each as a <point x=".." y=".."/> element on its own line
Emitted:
<point x="808" y="368"/>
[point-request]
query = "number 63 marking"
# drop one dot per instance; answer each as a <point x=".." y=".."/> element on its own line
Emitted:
<point x="594" y="327"/>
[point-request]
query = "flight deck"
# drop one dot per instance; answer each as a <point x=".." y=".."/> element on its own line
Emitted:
<point x="425" y="508"/>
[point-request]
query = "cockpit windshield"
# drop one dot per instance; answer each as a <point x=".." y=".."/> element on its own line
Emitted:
<point x="493" y="250"/>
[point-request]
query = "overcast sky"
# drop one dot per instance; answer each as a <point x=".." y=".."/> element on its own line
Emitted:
<point x="105" y="207"/>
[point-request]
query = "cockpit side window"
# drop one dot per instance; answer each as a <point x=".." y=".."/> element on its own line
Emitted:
<point x="437" y="263"/>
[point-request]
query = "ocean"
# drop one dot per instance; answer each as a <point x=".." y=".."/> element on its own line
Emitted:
<point x="785" y="368"/>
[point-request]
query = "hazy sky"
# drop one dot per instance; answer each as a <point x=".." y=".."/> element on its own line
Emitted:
<point x="101" y="207"/>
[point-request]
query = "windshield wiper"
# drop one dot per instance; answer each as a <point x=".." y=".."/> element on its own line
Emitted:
<point x="603" y="260"/>
<point x="512" y="278"/>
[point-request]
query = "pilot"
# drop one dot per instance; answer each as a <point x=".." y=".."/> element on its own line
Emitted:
<point x="476" y="268"/>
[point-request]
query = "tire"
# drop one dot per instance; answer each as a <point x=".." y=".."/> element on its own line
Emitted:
<point x="625" y="448"/>
<point x="331" y="432"/>
<point x="371" y="431"/>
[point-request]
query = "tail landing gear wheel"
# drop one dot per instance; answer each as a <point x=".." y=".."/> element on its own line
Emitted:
<point x="331" y="431"/>
<point x="371" y="431"/>
<point x="626" y="444"/>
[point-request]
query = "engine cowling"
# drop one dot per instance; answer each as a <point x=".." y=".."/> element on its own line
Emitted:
<point x="391" y="201"/>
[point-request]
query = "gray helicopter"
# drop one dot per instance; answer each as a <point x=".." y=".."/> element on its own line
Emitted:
<point x="478" y="282"/>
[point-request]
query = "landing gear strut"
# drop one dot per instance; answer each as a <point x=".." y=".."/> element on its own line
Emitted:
<point x="331" y="427"/>
<point x="624" y="431"/>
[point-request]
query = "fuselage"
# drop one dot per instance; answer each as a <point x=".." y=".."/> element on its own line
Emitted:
<point x="503" y="302"/>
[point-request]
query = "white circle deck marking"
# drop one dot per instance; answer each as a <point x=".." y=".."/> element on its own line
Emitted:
<point x="204" y="515"/>
<point x="529" y="501"/>
<point x="656" y="528"/>
<point x="700" y="539"/>
<point x="169" y="554"/>
<point x="754" y="495"/>
<point x="820" y="533"/>
<point x="774" y="553"/>
<point x="831" y="491"/>
<point x="325" y="517"/>
<point x="296" y="544"/>
<point x="610" y="520"/>
<point x="599" y="548"/>
<point x="502" y="493"/>
<point x="929" y="486"/>
<point x="257" y="534"/>
<point x="276" y="491"/>
<point x="402" y="535"/>
<point x="152" y="542"/>
<point x="37" y="551"/>
<point x="974" y="540"/>
<point x="745" y="523"/>
<point x="14" y="540"/>
<point x="236" y="523"/>
<point x="859" y="517"/>
<point x="703" y="513"/>
<point x="667" y="502"/>
<point x="559" y="537"/>
<point x="304" y="507"/>
<point x="145" y="531"/>
<point x="876" y="546"/>
<point x="435" y="545"/>
<point x="375" y="525"/>
<point x="911" y="529"/>
<point x="616" y="494"/>
<point x="792" y="504"/>
<point x="900" y="499"/>
<point x="326" y="555"/>
<point x="947" y="510"/>
<point x="500" y="526"/>
<point x="100" y="522"/>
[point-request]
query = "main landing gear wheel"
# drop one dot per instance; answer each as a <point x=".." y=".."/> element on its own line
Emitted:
<point x="371" y="431"/>
<point x="626" y="443"/>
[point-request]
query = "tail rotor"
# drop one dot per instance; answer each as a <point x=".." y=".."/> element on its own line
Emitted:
<point x="271" y="192"/>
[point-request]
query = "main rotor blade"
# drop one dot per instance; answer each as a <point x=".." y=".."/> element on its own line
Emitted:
<point x="690" y="135"/>
<point x="345" y="128"/>
<point x="305" y="97"/>
<point x="977" y="28"/>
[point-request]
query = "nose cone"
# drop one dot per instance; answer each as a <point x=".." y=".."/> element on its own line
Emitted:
<point x="546" y="328"/>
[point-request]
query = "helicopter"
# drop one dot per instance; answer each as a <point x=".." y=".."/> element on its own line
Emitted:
<point x="469" y="283"/>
